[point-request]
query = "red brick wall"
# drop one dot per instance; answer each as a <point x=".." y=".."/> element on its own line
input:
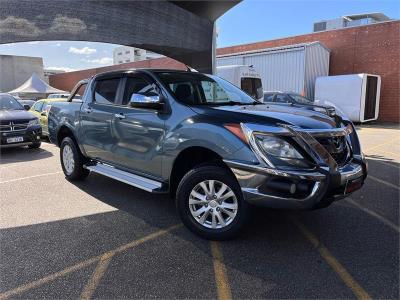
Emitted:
<point x="371" y="49"/>
<point x="66" y="81"/>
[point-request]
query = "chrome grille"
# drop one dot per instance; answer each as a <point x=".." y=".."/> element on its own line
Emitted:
<point x="337" y="148"/>
<point x="14" y="125"/>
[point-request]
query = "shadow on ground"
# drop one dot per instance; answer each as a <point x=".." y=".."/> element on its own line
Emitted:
<point x="22" y="154"/>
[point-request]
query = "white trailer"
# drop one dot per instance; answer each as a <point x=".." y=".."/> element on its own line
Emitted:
<point x="291" y="68"/>
<point x="357" y="95"/>
<point x="244" y="77"/>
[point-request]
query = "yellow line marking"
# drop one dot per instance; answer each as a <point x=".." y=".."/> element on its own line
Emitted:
<point x="380" y="145"/>
<point x="46" y="279"/>
<point x="384" y="182"/>
<point x="83" y="264"/>
<point x="29" y="177"/>
<point x="98" y="273"/>
<point x="374" y="214"/>
<point x="221" y="277"/>
<point x="358" y="291"/>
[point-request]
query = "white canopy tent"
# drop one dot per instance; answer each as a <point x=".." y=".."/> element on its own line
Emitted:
<point x="35" y="87"/>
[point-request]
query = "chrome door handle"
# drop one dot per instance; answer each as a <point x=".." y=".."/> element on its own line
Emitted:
<point x="87" y="110"/>
<point x="119" y="116"/>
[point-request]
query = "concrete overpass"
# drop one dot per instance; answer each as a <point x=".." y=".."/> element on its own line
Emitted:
<point x="183" y="30"/>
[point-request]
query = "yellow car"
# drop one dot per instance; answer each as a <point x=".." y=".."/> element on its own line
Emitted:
<point x="41" y="109"/>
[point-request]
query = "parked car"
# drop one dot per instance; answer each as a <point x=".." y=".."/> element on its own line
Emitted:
<point x="41" y="108"/>
<point x="297" y="100"/>
<point x="17" y="126"/>
<point x="216" y="153"/>
<point x="62" y="96"/>
<point x="27" y="104"/>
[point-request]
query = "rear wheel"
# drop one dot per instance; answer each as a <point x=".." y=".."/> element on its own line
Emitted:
<point x="72" y="160"/>
<point x="210" y="203"/>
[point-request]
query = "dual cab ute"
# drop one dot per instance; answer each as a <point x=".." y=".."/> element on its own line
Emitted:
<point x="207" y="143"/>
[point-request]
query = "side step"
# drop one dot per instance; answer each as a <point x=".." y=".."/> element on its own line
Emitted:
<point x="128" y="178"/>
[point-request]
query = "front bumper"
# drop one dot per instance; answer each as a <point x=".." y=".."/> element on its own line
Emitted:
<point x="29" y="136"/>
<point x="264" y="184"/>
<point x="322" y="186"/>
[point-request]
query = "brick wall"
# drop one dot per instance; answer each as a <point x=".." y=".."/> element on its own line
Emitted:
<point x="371" y="49"/>
<point x="66" y="81"/>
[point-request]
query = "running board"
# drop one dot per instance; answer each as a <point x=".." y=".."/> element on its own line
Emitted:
<point x="128" y="178"/>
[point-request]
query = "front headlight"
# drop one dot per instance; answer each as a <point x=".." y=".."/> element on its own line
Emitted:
<point x="276" y="146"/>
<point x="33" y="122"/>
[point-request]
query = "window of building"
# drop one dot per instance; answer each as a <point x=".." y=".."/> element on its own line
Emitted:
<point x="127" y="52"/>
<point x="119" y="53"/>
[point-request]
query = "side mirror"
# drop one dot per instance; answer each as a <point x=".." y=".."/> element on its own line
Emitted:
<point x="43" y="113"/>
<point x="27" y="107"/>
<point x="151" y="101"/>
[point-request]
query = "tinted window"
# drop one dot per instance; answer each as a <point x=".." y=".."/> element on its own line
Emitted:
<point x="281" y="98"/>
<point x="138" y="85"/>
<point x="251" y="86"/>
<point x="106" y="91"/>
<point x="197" y="88"/>
<point x="8" y="102"/>
<point x="268" y="97"/>
<point x="38" y="106"/>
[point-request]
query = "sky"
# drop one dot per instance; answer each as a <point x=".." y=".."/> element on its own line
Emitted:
<point x="249" y="21"/>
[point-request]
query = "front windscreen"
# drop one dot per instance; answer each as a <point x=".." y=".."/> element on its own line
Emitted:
<point x="299" y="99"/>
<point x="198" y="89"/>
<point x="8" y="102"/>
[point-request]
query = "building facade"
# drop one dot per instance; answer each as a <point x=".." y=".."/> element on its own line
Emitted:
<point x="372" y="49"/>
<point x="125" y="54"/>
<point x="350" y="21"/>
<point x="15" y="70"/>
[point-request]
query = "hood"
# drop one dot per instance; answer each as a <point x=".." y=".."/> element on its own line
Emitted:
<point x="273" y="114"/>
<point x="14" y="115"/>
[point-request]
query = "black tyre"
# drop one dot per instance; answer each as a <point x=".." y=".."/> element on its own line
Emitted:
<point x="210" y="203"/>
<point x="35" y="145"/>
<point x="72" y="160"/>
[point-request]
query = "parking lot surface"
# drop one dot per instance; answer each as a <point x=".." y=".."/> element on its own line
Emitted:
<point x="104" y="239"/>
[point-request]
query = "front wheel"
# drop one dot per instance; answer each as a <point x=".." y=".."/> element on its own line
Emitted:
<point x="35" y="145"/>
<point x="210" y="203"/>
<point x="72" y="160"/>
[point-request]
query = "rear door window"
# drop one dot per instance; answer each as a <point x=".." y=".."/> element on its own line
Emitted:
<point x="106" y="91"/>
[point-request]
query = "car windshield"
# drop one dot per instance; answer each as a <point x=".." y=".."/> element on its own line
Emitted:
<point x="299" y="99"/>
<point x="8" y="102"/>
<point x="202" y="89"/>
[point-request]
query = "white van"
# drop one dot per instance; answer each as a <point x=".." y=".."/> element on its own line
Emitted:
<point x="244" y="77"/>
<point x="357" y="95"/>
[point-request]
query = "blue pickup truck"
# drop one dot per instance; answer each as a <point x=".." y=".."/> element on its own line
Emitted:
<point x="208" y="144"/>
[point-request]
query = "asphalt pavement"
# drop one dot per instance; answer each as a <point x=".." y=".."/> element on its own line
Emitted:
<point x="104" y="239"/>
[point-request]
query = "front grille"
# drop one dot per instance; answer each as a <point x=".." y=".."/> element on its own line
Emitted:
<point x="7" y="126"/>
<point x="337" y="148"/>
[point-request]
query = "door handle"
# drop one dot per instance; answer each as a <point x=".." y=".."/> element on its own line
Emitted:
<point x="119" y="116"/>
<point x="87" y="110"/>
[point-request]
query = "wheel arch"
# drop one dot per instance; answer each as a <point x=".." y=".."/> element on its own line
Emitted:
<point x="189" y="158"/>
